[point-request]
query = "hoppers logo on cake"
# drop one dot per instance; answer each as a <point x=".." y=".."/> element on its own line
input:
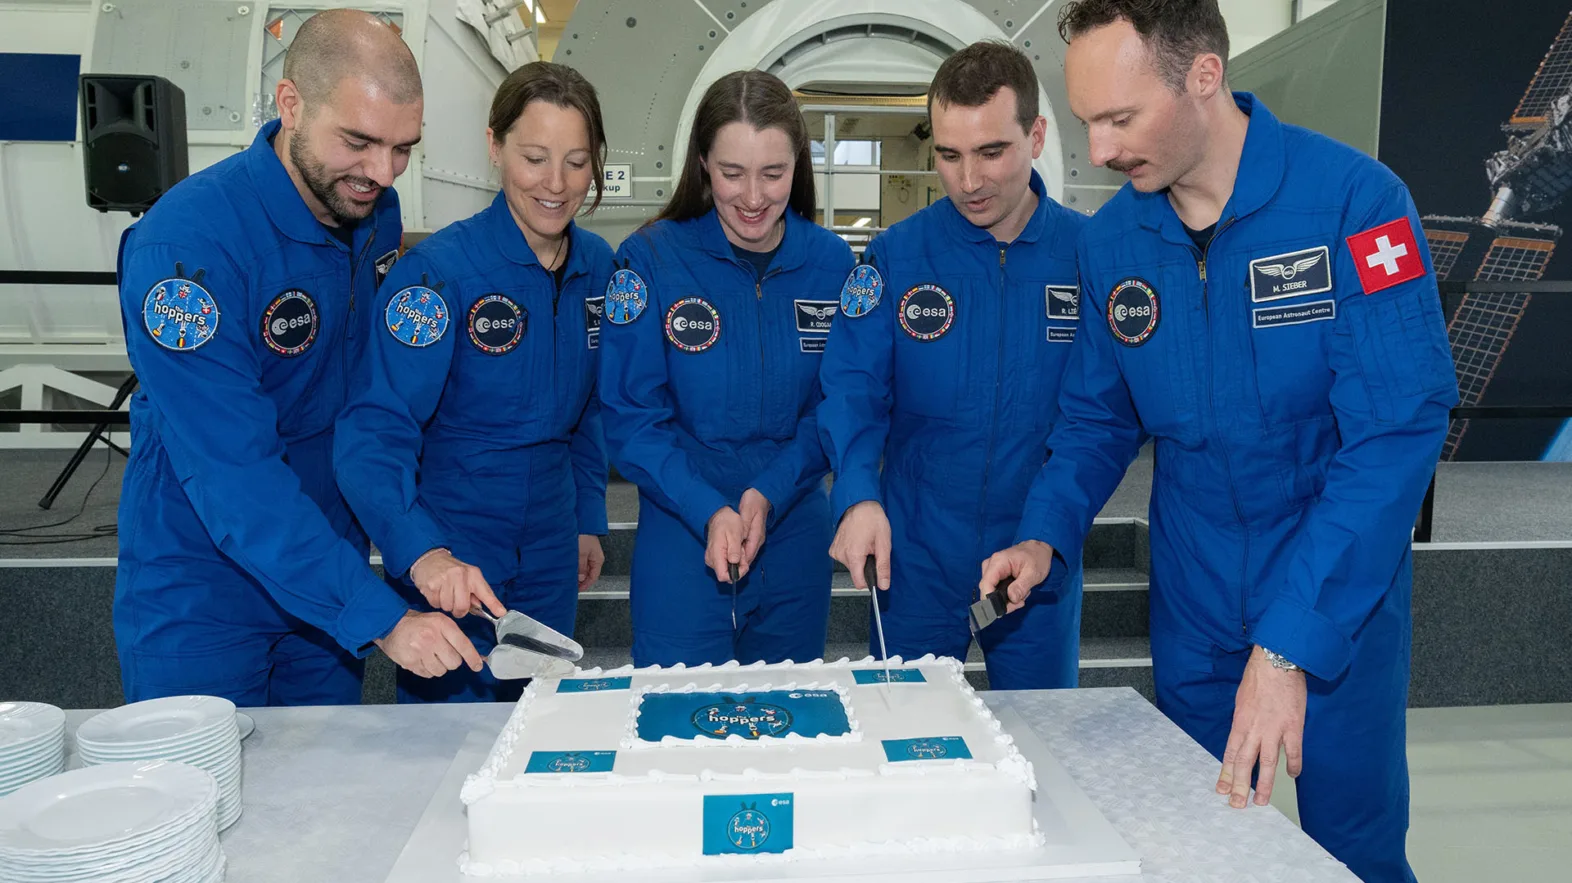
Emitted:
<point x="748" y="829"/>
<point x="745" y="717"/>
<point x="571" y="762"/>
<point x="926" y="749"/>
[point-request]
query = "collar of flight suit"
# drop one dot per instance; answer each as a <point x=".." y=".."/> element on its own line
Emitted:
<point x="283" y="203"/>
<point x="1036" y="226"/>
<point x="1261" y="167"/>
<point x="510" y="241"/>
<point x="793" y="248"/>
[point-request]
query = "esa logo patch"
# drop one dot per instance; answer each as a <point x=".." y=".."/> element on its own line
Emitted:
<point x="417" y="315"/>
<point x="1133" y="311"/>
<point x="179" y="313"/>
<point x="385" y="263"/>
<point x="594" y="310"/>
<point x="692" y="325"/>
<point x="862" y="290"/>
<point x="1064" y="301"/>
<point x="814" y="316"/>
<point x="626" y="297"/>
<point x="289" y="324"/>
<point x="496" y="324"/>
<point x="927" y="312"/>
<point x="1292" y="274"/>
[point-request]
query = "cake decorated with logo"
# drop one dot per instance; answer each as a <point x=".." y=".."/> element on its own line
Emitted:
<point x="672" y="767"/>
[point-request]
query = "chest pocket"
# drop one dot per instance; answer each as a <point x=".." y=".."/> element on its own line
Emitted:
<point x="495" y="370"/>
<point x="299" y="333"/>
<point x="1291" y="302"/>
<point x="1153" y="318"/>
<point x="930" y="327"/>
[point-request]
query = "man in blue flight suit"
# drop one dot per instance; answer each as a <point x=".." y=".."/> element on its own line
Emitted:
<point x="946" y="365"/>
<point x="1259" y="301"/>
<point x="241" y="571"/>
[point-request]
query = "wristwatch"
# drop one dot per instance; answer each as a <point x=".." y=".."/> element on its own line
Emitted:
<point x="1278" y="662"/>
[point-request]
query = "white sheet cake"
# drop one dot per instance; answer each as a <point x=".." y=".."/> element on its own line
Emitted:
<point x="670" y="767"/>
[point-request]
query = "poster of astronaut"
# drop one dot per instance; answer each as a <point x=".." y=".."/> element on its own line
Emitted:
<point x="1476" y="116"/>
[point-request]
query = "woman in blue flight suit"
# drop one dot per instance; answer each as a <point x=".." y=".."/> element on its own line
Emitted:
<point x="472" y="449"/>
<point x="709" y="399"/>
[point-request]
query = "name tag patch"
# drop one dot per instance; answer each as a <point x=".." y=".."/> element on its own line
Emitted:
<point x="1294" y="314"/>
<point x="1060" y="335"/>
<point x="1291" y="275"/>
<point x="813" y="316"/>
<point x="1064" y="301"/>
<point x="812" y="344"/>
<point x="594" y="310"/>
<point x="385" y="263"/>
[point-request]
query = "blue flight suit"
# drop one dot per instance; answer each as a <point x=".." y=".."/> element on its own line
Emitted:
<point x="950" y="378"/>
<point x="710" y="394"/>
<point x="473" y="425"/>
<point x="242" y="573"/>
<point x="1296" y="377"/>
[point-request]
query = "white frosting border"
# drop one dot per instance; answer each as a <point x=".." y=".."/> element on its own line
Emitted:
<point x="481" y="784"/>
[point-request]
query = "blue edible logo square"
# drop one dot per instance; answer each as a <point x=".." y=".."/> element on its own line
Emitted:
<point x="931" y="748"/>
<point x="571" y="761"/>
<point x="747" y="824"/>
<point x="897" y="676"/>
<point x="593" y="685"/>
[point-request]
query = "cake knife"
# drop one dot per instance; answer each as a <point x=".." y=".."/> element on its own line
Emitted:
<point x="993" y="605"/>
<point x="514" y="629"/>
<point x="870" y="575"/>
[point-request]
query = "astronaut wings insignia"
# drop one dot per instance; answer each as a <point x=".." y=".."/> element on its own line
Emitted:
<point x="1291" y="275"/>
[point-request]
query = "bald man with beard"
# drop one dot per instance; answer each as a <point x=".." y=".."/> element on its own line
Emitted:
<point x="241" y="572"/>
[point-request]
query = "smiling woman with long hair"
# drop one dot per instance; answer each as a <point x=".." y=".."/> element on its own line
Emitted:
<point x="709" y="397"/>
<point x="472" y="449"/>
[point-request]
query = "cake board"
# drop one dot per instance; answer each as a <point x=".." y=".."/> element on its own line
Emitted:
<point x="1080" y="842"/>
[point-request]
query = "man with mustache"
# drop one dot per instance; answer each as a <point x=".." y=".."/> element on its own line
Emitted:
<point x="241" y="572"/>
<point x="1259" y="302"/>
<point x="945" y="368"/>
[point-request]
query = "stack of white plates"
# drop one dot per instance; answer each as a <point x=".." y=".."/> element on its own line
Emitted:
<point x="32" y="743"/>
<point x="199" y="730"/>
<point x="116" y="823"/>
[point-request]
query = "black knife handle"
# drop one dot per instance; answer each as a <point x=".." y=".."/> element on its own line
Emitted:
<point x="1000" y="596"/>
<point x="734" y="571"/>
<point x="870" y="572"/>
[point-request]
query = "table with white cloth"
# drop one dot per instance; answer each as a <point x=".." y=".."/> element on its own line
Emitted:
<point x="333" y="793"/>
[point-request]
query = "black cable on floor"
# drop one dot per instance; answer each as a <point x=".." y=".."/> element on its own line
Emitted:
<point x="25" y="536"/>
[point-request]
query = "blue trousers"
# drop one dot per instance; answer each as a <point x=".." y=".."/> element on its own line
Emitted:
<point x="249" y="667"/>
<point x="933" y="580"/>
<point x="1353" y="790"/>
<point x="780" y="610"/>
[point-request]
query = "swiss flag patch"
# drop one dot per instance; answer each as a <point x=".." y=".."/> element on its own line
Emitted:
<point x="1387" y="255"/>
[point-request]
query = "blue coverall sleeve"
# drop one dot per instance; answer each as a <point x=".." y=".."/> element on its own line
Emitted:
<point x="856" y="376"/>
<point x="376" y="448"/>
<point x="588" y="451"/>
<point x="640" y="417"/>
<point x="1393" y="387"/>
<point x="801" y="465"/>
<point x="220" y="433"/>
<point x="1096" y="437"/>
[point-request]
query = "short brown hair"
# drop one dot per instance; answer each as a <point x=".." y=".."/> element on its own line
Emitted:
<point x="972" y="76"/>
<point x="562" y="86"/>
<point x="1175" y="31"/>
<point x="760" y="100"/>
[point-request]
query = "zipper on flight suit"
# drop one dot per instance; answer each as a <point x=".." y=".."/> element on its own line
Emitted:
<point x="1211" y="406"/>
<point x="998" y="383"/>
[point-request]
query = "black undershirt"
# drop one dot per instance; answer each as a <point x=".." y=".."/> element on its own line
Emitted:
<point x="344" y="233"/>
<point x="1201" y="238"/>
<point x="759" y="259"/>
<point x="561" y="272"/>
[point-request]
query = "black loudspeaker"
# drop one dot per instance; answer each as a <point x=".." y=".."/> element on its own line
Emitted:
<point x="133" y="140"/>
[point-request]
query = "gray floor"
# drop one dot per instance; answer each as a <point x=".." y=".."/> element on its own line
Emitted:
<point x="1491" y="794"/>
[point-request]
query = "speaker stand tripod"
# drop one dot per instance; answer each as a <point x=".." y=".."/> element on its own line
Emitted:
<point x="125" y="391"/>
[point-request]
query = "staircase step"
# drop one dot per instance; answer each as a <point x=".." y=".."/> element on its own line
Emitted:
<point x="1114" y="606"/>
<point x="1113" y="544"/>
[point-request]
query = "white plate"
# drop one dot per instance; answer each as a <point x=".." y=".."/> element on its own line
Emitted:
<point x="22" y="722"/>
<point x="156" y="721"/>
<point x="246" y="722"/>
<point x="99" y="806"/>
<point x="215" y="751"/>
